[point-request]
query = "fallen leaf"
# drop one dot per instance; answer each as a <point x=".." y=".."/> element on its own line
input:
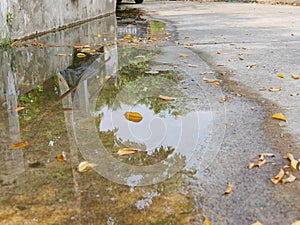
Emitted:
<point x="85" y="166"/>
<point x="80" y="55"/>
<point x="278" y="177"/>
<point x="20" y="108"/>
<point x="212" y="80"/>
<point x="133" y="116"/>
<point x="166" y="98"/>
<point x="188" y="45"/>
<point x="296" y="222"/>
<point x="290" y="179"/>
<point x="295" y="76"/>
<point x="228" y="189"/>
<point x="61" y="157"/>
<point x="261" y="162"/>
<point x="191" y="65"/>
<point x="281" y="75"/>
<point x="224" y="99"/>
<point x="63" y="54"/>
<point x="257" y="223"/>
<point x="275" y="89"/>
<point x="127" y="37"/>
<point x="127" y="151"/>
<point x="262" y="89"/>
<point x="207" y="72"/>
<point x="18" y="145"/>
<point x="279" y="116"/>
<point x="294" y="94"/>
<point x="219" y="52"/>
<point x="183" y="55"/>
<point x="251" y="165"/>
<point x="262" y="155"/>
<point x="206" y="221"/>
<point x="294" y="162"/>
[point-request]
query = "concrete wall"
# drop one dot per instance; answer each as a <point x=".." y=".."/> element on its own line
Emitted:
<point x="34" y="16"/>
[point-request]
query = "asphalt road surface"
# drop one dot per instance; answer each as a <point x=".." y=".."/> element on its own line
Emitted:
<point x="246" y="46"/>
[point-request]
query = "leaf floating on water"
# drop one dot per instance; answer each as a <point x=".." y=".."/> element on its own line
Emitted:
<point x="294" y="163"/>
<point x="295" y="76"/>
<point x="166" y="98"/>
<point x="279" y="116"/>
<point x="228" y="189"/>
<point x="275" y="89"/>
<point x="80" y="55"/>
<point x="206" y="221"/>
<point x="281" y="75"/>
<point x="127" y="151"/>
<point x="61" y="157"/>
<point x="85" y="166"/>
<point x="278" y="177"/>
<point x="20" y="108"/>
<point x="133" y="116"/>
<point x="18" y="145"/>
<point x="183" y="55"/>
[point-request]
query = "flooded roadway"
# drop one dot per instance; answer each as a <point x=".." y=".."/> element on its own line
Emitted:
<point x="63" y="100"/>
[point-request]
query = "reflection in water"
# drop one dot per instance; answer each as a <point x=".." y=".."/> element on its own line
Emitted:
<point x="36" y="188"/>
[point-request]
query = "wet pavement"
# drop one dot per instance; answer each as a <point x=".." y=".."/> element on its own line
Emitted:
<point x="135" y="84"/>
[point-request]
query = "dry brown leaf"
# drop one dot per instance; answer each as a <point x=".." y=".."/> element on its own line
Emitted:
<point x="228" y="189"/>
<point x="85" y="166"/>
<point x="290" y="179"/>
<point x="240" y="58"/>
<point x="250" y="66"/>
<point x="279" y="116"/>
<point x="18" y="145"/>
<point x="133" y="116"/>
<point x="294" y="162"/>
<point x="183" y="55"/>
<point x="275" y="89"/>
<point x="262" y="89"/>
<point x="20" y="108"/>
<point x="219" y="52"/>
<point x="127" y="151"/>
<point x="295" y="76"/>
<point x="61" y="157"/>
<point x="166" y="98"/>
<point x="278" y="177"/>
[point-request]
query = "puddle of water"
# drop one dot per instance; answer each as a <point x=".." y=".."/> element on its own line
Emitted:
<point x="38" y="189"/>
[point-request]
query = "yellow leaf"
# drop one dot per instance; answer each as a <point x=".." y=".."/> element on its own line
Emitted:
<point x="80" y="55"/>
<point x="295" y="76"/>
<point x="18" y="145"/>
<point x="257" y="223"/>
<point x="251" y="165"/>
<point x="166" y="98"/>
<point x="85" y="166"/>
<point x="61" y="157"/>
<point x="188" y="45"/>
<point x="296" y="222"/>
<point x="279" y="116"/>
<point x="133" y="116"/>
<point x="183" y="55"/>
<point x="281" y="75"/>
<point x="294" y="162"/>
<point x="62" y="54"/>
<point x="228" y="189"/>
<point x="206" y="221"/>
<point x="278" y="177"/>
<point x="275" y="89"/>
<point x="99" y="35"/>
<point x="127" y="37"/>
<point x="126" y="151"/>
